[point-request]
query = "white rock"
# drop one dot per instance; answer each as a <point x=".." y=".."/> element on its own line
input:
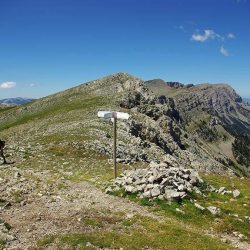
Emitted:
<point x="155" y="191"/>
<point x="236" y="193"/>
<point x="171" y="194"/>
<point x="129" y="189"/>
<point x="199" y="206"/>
<point x="17" y="175"/>
<point x="179" y="211"/>
<point x="221" y="190"/>
<point x="151" y="179"/>
<point x="214" y="210"/>
<point x="147" y="194"/>
<point x="181" y="187"/>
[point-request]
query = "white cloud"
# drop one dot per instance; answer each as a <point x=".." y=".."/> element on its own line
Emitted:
<point x="230" y="36"/>
<point x="208" y="34"/>
<point x="7" y="85"/>
<point x="223" y="51"/>
<point x="32" y="85"/>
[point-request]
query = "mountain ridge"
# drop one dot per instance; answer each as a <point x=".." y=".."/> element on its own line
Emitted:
<point x="207" y="113"/>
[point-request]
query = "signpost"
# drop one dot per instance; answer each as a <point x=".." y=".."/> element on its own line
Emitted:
<point x="114" y="116"/>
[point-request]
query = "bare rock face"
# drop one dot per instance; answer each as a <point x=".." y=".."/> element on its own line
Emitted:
<point x="159" y="119"/>
<point x="219" y="100"/>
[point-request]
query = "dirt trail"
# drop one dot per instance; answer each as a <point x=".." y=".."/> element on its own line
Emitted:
<point x="63" y="213"/>
<point x="63" y="209"/>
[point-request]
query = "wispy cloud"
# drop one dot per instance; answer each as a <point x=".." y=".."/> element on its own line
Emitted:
<point x="208" y="34"/>
<point x="230" y="36"/>
<point x="223" y="51"/>
<point x="32" y="85"/>
<point x="7" y="85"/>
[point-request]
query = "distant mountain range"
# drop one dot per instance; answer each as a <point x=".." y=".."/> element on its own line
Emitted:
<point x="15" y="101"/>
<point x="247" y="100"/>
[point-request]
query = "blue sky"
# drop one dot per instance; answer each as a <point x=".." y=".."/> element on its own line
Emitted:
<point x="51" y="45"/>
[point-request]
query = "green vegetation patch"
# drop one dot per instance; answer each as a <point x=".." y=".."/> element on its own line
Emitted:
<point x="86" y="103"/>
<point x="241" y="149"/>
<point x="2" y="244"/>
<point x="148" y="234"/>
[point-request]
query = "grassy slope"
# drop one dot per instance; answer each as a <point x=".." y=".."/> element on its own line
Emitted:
<point x="61" y="125"/>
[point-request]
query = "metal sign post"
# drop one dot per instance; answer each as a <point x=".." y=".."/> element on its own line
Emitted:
<point x="114" y="116"/>
<point x="114" y="154"/>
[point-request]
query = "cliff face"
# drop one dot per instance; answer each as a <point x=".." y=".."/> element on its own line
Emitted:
<point x="219" y="100"/>
<point x="212" y="113"/>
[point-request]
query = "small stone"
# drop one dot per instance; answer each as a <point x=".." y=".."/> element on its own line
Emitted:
<point x="236" y="193"/>
<point x="199" y="206"/>
<point x="179" y="211"/>
<point x="38" y="218"/>
<point x="214" y="210"/>
<point x="161" y="197"/>
<point x="17" y="175"/>
<point x="171" y="194"/>
<point x="235" y="233"/>
<point x="155" y="191"/>
<point x="241" y="236"/>
<point x="147" y="194"/>
<point x="221" y="190"/>
<point x="196" y="190"/>
<point x="181" y="187"/>
<point x="129" y="216"/>
<point x="151" y="179"/>
<point x="129" y="189"/>
<point x="108" y="190"/>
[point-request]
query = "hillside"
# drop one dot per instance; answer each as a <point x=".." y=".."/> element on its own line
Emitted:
<point x="59" y="153"/>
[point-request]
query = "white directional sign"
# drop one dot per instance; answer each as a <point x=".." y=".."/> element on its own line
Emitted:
<point x="113" y="114"/>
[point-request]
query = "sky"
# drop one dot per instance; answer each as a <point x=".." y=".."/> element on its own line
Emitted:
<point x="51" y="45"/>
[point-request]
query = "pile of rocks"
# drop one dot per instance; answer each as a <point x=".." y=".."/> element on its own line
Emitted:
<point x="159" y="180"/>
